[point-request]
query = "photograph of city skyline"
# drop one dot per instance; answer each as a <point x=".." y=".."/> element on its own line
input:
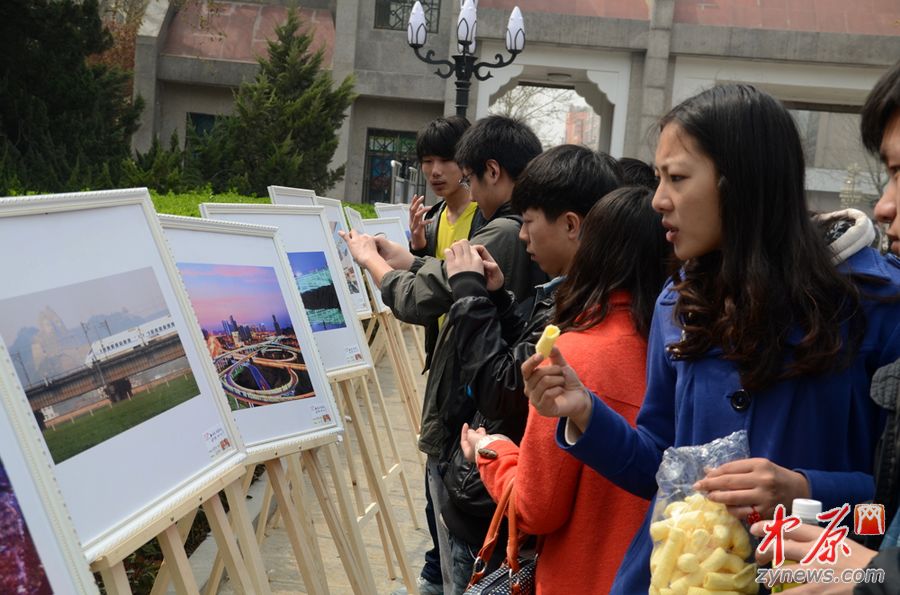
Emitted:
<point x="248" y="332"/>
<point x="317" y="290"/>
<point x="96" y="358"/>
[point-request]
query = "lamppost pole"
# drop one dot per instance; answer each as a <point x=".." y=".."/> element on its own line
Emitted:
<point x="465" y="64"/>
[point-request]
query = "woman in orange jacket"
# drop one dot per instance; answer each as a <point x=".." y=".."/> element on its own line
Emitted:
<point x="603" y="309"/>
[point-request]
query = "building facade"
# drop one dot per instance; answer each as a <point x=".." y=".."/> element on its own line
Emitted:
<point x="630" y="60"/>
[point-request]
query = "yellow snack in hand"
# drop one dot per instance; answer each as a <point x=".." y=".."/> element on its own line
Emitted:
<point x="548" y="338"/>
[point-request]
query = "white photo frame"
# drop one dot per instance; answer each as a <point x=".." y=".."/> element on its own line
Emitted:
<point x="386" y="210"/>
<point x="390" y="227"/>
<point x="306" y="234"/>
<point x="334" y="214"/>
<point x="356" y="221"/>
<point x="285" y="195"/>
<point x="240" y="272"/>
<point x="109" y="259"/>
<point x="50" y="557"/>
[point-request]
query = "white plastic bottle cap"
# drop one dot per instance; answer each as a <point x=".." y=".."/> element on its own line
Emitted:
<point x="806" y="509"/>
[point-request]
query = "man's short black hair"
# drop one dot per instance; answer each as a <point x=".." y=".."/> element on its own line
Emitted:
<point x="883" y="102"/>
<point x="440" y="136"/>
<point x="566" y="178"/>
<point x="638" y="173"/>
<point x="509" y="142"/>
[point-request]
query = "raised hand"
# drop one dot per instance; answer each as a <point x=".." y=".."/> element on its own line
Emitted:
<point x="493" y="276"/>
<point x="555" y="390"/>
<point x="417" y="222"/>
<point x="394" y="254"/>
<point x="462" y="257"/>
<point x="362" y="246"/>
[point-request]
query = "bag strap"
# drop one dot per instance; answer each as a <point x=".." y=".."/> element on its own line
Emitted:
<point x="512" y="544"/>
<point x="490" y="540"/>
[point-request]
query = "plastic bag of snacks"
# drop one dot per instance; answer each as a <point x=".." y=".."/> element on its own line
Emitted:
<point x="698" y="547"/>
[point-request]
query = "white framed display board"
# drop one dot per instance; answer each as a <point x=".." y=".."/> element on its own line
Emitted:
<point x="334" y="214"/>
<point x="356" y="222"/>
<point x="41" y="550"/>
<point x="316" y="269"/>
<point x="105" y="359"/>
<point x="285" y="195"/>
<point x="256" y="331"/>
<point x="386" y="210"/>
<point x="390" y="227"/>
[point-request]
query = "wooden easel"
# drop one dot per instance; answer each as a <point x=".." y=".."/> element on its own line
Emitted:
<point x="346" y="389"/>
<point x="284" y="480"/>
<point x="418" y="341"/>
<point x="403" y="370"/>
<point x="246" y="570"/>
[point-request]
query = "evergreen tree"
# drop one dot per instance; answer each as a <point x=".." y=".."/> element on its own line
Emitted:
<point x="284" y="127"/>
<point x="65" y="124"/>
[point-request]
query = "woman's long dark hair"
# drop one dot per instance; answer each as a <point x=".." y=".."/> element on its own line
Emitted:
<point x="623" y="247"/>
<point x="773" y="276"/>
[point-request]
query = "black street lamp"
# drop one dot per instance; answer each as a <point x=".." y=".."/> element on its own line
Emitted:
<point x="464" y="64"/>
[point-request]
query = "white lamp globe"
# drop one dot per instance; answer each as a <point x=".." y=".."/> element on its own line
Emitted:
<point x="417" y="30"/>
<point x="515" y="32"/>
<point x="465" y="24"/>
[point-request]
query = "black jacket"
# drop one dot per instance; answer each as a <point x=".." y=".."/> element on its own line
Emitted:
<point x="422" y="294"/>
<point x="886" y="392"/>
<point x="889" y="561"/>
<point x="431" y="236"/>
<point x="494" y="336"/>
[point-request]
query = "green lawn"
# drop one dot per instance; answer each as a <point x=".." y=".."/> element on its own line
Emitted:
<point x="69" y="439"/>
<point x="188" y="203"/>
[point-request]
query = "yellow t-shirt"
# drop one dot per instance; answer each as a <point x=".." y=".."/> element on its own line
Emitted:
<point x="451" y="232"/>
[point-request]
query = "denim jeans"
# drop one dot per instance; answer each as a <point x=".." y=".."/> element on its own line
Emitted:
<point x="439" y="496"/>
<point x="463" y="556"/>
<point x="431" y="571"/>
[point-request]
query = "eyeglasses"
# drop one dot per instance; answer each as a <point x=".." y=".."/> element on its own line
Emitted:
<point x="464" y="182"/>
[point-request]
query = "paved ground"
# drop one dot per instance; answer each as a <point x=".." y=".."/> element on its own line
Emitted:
<point x="278" y="556"/>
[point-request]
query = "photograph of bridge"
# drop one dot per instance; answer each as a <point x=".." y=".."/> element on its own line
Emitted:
<point x="317" y="290"/>
<point x="21" y="570"/>
<point x="96" y="358"/>
<point x="248" y="332"/>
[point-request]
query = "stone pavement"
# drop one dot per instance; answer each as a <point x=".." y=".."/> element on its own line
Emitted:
<point x="284" y="577"/>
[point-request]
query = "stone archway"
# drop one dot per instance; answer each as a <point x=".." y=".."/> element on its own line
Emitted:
<point x="601" y="79"/>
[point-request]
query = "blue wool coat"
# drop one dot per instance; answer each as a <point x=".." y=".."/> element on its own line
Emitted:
<point x="825" y="427"/>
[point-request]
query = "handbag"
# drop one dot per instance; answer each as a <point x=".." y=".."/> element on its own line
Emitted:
<point x="516" y="575"/>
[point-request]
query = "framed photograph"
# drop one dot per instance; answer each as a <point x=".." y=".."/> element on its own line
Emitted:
<point x="255" y="329"/>
<point x="400" y="211"/>
<point x="318" y="277"/>
<point x="40" y="554"/>
<point x="105" y="359"/>
<point x="334" y="214"/>
<point x="356" y="221"/>
<point x="390" y="227"/>
<point x="285" y="195"/>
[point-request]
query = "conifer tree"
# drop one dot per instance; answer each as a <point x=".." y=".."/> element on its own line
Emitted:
<point x="285" y="122"/>
<point x="65" y="124"/>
